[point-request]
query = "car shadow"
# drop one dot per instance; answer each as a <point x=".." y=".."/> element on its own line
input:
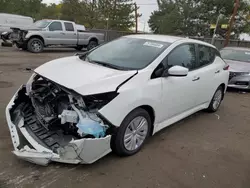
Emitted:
<point x="235" y="90"/>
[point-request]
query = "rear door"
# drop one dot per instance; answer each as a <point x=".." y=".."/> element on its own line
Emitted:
<point x="70" y="34"/>
<point x="209" y="69"/>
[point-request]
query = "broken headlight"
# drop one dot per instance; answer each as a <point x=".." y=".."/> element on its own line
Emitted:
<point x="97" y="101"/>
<point x="29" y="84"/>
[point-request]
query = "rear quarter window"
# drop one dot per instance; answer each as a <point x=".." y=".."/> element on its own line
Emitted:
<point x="69" y="26"/>
<point x="206" y="55"/>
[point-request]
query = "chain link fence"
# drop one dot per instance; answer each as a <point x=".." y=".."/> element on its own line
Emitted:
<point x="219" y="43"/>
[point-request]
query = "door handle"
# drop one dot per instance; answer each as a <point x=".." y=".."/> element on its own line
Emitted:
<point x="63" y="33"/>
<point x="196" y="78"/>
<point x="218" y="71"/>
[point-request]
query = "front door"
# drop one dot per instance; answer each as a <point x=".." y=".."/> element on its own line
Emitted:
<point x="55" y="34"/>
<point x="179" y="93"/>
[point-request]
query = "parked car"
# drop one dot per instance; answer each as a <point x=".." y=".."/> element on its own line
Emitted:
<point x="11" y="20"/>
<point x="46" y="33"/>
<point x="112" y="98"/>
<point x="239" y="61"/>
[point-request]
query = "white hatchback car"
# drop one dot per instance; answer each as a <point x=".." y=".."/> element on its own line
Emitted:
<point x="77" y="109"/>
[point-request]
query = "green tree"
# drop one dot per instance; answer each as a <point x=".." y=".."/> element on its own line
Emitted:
<point x="22" y="7"/>
<point x="112" y="14"/>
<point x="190" y="17"/>
<point x="51" y="11"/>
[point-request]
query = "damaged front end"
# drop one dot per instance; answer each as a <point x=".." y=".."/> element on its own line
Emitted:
<point x="49" y="122"/>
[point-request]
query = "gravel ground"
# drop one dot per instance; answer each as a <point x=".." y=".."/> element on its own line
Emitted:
<point x="204" y="150"/>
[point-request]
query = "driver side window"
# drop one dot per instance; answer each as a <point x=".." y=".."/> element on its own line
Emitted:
<point x="55" y="26"/>
<point x="184" y="55"/>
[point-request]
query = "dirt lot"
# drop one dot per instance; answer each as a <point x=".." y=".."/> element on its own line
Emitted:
<point x="204" y="150"/>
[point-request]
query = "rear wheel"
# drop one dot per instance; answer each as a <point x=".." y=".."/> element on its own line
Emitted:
<point x="92" y="44"/>
<point x="35" y="45"/>
<point x="216" y="100"/>
<point x="132" y="133"/>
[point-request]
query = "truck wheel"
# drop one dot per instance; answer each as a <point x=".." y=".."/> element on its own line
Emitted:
<point x="35" y="45"/>
<point x="79" y="47"/>
<point x="92" y="44"/>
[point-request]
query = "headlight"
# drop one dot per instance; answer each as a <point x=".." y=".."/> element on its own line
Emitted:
<point x="4" y="33"/>
<point x="97" y="101"/>
<point x="24" y="34"/>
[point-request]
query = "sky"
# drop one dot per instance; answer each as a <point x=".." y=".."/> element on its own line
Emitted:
<point x="146" y="7"/>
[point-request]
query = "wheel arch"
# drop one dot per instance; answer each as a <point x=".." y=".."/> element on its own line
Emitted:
<point x="94" y="39"/>
<point x="151" y="113"/>
<point x="37" y="36"/>
<point x="223" y="85"/>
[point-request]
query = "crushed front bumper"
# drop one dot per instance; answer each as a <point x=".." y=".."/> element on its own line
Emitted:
<point x="239" y="80"/>
<point x="26" y="147"/>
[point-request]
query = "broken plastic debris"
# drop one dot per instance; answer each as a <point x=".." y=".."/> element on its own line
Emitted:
<point x="90" y="127"/>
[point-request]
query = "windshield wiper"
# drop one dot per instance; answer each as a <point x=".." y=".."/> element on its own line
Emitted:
<point x="108" y="65"/>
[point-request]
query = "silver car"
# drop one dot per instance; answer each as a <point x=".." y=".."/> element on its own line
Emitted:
<point x="238" y="60"/>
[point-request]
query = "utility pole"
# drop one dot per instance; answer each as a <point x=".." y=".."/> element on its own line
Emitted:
<point x="115" y="10"/>
<point x="215" y="29"/>
<point x="136" y="19"/>
<point x="236" y="6"/>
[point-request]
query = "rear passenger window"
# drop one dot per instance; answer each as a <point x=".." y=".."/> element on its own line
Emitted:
<point x="55" y="26"/>
<point x="69" y="26"/>
<point x="183" y="55"/>
<point x="206" y="55"/>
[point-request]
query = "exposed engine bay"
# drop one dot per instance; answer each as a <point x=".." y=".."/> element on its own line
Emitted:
<point x="55" y="115"/>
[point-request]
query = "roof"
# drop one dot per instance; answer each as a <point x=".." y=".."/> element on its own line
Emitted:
<point x="52" y="20"/>
<point x="14" y="15"/>
<point x="163" y="38"/>
<point x="168" y="38"/>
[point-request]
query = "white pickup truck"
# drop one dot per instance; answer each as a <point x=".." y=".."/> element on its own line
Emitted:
<point x="46" y="33"/>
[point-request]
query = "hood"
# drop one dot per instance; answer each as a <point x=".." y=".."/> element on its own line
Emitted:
<point x="238" y="66"/>
<point x="27" y="28"/>
<point x="83" y="77"/>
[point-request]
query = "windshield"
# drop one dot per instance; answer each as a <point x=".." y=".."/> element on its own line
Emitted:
<point x="127" y="53"/>
<point x="42" y="23"/>
<point x="236" y="55"/>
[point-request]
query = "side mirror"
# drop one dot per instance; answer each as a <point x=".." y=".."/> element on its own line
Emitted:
<point x="178" y="71"/>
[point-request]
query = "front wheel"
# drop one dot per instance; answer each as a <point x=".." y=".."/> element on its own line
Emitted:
<point x="35" y="45"/>
<point x="216" y="100"/>
<point x="132" y="133"/>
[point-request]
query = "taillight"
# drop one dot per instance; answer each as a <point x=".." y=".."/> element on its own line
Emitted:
<point x="226" y="67"/>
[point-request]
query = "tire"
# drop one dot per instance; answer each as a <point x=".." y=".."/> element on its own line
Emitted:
<point x="216" y="100"/>
<point x="18" y="45"/>
<point x="35" y="45"/>
<point x="133" y="143"/>
<point x="79" y="47"/>
<point x="24" y="47"/>
<point x="92" y="44"/>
